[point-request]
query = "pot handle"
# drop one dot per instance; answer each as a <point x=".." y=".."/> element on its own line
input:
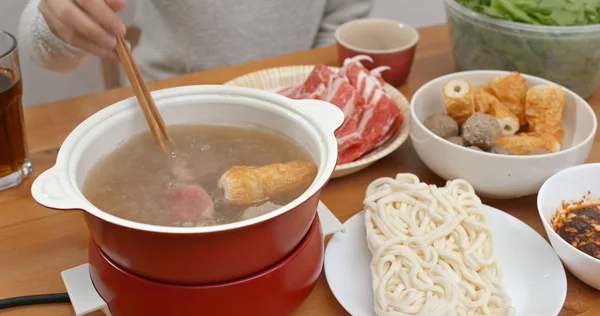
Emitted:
<point x="48" y="190"/>
<point x="329" y="223"/>
<point x="328" y="116"/>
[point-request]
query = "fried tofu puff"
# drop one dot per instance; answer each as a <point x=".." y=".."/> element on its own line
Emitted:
<point x="486" y="102"/>
<point x="528" y="143"/>
<point x="245" y="185"/>
<point x="544" y="110"/>
<point x="458" y="100"/>
<point x="511" y="90"/>
<point x="482" y="98"/>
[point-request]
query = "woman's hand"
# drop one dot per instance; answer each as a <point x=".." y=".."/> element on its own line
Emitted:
<point x="91" y="25"/>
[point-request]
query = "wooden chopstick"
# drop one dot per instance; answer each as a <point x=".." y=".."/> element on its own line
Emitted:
<point x="153" y="118"/>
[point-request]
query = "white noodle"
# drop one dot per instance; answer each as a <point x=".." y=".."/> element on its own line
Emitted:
<point x="432" y="250"/>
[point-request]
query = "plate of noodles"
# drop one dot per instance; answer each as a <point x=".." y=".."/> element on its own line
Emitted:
<point x="418" y="249"/>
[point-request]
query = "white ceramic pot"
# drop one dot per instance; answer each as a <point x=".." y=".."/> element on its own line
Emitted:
<point x="195" y="255"/>
<point x="493" y="175"/>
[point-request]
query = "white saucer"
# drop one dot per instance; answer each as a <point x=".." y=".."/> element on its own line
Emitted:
<point x="532" y="273"/>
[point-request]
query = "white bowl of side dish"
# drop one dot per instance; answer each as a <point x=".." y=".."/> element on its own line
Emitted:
<point x="496" y="175"/>
<point x="569" y="185"/>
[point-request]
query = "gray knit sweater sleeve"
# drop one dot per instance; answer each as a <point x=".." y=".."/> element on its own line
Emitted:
<point x="49" y="51"/>
<point x="192" y="35"/>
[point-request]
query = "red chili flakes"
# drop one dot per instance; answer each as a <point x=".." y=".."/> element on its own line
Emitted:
<point x="578" y="223"/>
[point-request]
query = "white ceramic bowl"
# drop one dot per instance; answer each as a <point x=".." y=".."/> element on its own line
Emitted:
<point x="493" y="175"/>
<point x="570" y="184"/>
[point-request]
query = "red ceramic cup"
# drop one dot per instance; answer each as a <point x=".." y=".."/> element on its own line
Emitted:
<point x="387" y="42"/>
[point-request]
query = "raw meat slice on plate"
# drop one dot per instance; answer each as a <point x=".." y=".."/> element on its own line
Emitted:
<point x="380" y="120"/>
<point x="350" y="142"/>
<point x="371" y="117"/>
<point x="325" y="85"/>
<point x="315" y="86"/>
<point x="361" y="78"/>
<point x="381" y="117"/>
<point x="343" y="95"/>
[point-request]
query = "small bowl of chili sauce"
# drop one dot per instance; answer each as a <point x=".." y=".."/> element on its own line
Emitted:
<point x="569" y="207"/>
<point x="579" y="225"/>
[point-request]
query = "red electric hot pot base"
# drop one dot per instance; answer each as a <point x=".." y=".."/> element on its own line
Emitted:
<point x="204" y="258"/>
<point x="278" y="290"/>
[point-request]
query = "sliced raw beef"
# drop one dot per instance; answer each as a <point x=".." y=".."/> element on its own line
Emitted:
<point x="380" y="118"/>
<point x="342" y="94"/>
<point x="350" y="142"/>
<point x="323" y="84"/>
<point x="190" y="202"/>
<point x="393" y="128"/>
<point x="361" y="78"/>
<point x="315" y="86"/>
<point x="291" y="92"/>
<point x="371" y="117"/>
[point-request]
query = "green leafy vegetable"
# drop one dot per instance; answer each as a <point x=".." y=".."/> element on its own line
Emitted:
<point x="543" y="12"/>
<point x="570" y="59"/>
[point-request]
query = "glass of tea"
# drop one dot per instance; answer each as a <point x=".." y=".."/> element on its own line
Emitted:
<point x="14" y="156"/>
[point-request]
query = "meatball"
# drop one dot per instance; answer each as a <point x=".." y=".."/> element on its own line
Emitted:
<point x="500" y="151"/>
<point x="442" y="125"/>
<point x="457" y="140"/>
<point x="541" y="151"/>
<point x="475" y="148"/>
<point x="481" y="130"/>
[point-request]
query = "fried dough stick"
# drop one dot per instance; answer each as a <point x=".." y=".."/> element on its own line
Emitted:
<point x="544" y="110"/>
<point x="528" y="143"/>
<point x="511" y="90"/>
<point x="487" y="103"/>
<point x="458" y="100"/>
<point x="245" y="185"/>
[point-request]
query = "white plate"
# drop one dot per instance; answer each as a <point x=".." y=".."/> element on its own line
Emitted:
<point x="532" y="273"/>
<point x="274" y="79"/>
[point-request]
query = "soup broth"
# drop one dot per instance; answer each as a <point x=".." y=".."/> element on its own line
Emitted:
<point x="134" y="181"/>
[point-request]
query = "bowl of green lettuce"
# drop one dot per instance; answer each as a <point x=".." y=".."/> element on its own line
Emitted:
<point x="558" y="40"/>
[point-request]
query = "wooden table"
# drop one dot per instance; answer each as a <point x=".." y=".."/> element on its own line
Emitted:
<point x="37" y="243"/>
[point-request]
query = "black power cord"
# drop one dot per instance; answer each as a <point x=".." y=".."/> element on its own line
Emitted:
<point x="34" y="300"/>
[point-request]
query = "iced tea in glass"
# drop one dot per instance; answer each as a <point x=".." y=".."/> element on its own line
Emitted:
<point x="14" y="157"/>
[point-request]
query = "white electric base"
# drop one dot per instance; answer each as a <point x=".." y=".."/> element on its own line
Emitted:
<point x="82" y="292"/>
